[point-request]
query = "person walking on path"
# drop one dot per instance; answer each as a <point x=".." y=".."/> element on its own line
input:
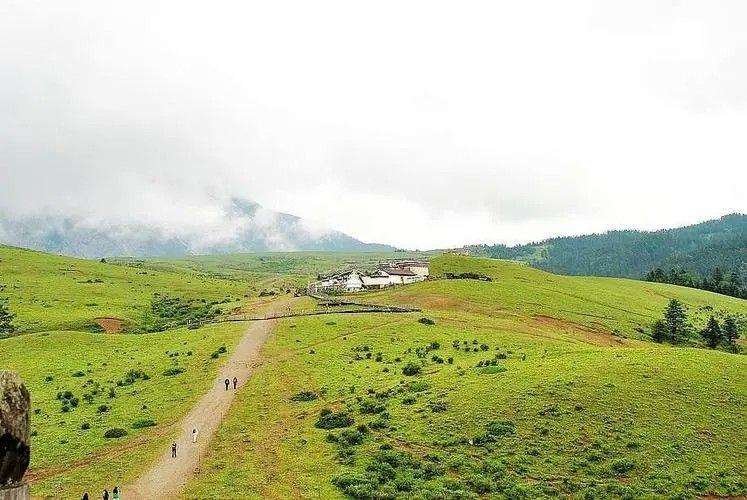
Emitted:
<point x="235" y="382"/>
<point x="194" y="435"/>
<point x="106" y="495"/>
<point x="227" y="382"/>
<point x="173" y="450"/>
<point x="115" y="493"/>
<point x="85" y="495"/>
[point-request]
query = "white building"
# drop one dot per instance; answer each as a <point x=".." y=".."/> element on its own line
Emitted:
<point x="395" y="273"/>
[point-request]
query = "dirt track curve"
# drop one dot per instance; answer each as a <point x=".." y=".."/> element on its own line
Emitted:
<point x="167" y="476"/>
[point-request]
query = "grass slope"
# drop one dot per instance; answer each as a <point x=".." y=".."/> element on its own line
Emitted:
<point x="562" y="408"/>
<point x="50" y="292"/>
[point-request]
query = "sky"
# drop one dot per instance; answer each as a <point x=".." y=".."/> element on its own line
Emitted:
<point x="419" y="124"/>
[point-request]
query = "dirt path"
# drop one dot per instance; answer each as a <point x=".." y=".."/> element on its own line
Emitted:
<point x="167" y="476"/>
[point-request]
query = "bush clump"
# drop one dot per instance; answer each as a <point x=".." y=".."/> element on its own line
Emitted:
<point x="331" y="420"/>
<point x="174" y="370"/>
<point x="143" y="423"/>
<point x="411" y="369"/>
<point x="304" y="396"/>
<point x="371" y="406"/>
<point x="115" y="432"/>
<point x="426" y="321"/>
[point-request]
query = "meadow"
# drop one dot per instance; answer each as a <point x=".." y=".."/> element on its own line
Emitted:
<point x="488" y="397"/>
<point x="526" y="386"/>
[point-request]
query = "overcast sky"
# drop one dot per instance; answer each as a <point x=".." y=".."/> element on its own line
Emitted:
<point x="419" y="124"/>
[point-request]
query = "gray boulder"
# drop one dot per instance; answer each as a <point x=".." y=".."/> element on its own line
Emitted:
<point x="15" y="452"/>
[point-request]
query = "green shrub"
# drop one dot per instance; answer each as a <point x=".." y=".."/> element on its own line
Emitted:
<point x="115" y="432"/>
<point x="85" y="426"/>
<point x="143" y="423"/>
<point x="330" y="420"/>
<point x="304" y="396"/>
<point x="426" y="321"/>
<point x="102" y="409"/>
<point x="174" y="370"/>
<point x="371" y="406"/>
<point x="79" y="374"/>
<point x="411" y="369"/>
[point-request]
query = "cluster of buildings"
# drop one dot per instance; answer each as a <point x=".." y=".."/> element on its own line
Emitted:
<point x="354" y="280"/>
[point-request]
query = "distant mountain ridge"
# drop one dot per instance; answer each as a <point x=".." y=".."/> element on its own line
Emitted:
<point x="248" y="227"/>
<point x="698" y="248"/>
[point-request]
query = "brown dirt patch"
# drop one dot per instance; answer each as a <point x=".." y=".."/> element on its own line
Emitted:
<point x="594" y="335"/>
<point x="110" y="325"/>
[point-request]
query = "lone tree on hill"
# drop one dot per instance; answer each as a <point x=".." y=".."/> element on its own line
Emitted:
<point x="659" y="333"/>
<point x="6" y="318"/>
<point x="674" y="317"/>
<point x="712" y="333"/>
<point x="731" y="330"/>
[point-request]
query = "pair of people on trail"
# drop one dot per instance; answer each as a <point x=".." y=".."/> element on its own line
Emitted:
<point x="105" y="495"/>
<point x="228" y="383"/>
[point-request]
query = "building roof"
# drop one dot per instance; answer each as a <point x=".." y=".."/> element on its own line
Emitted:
<point x="400" y="272"/>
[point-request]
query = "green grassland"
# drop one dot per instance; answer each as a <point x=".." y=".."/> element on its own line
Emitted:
<point x="55" y="300"/>
<point x="50" y="292"/>
<point x="269" y="270"/>
<point x="527" y="387"/>
<point x="65" y="456"/>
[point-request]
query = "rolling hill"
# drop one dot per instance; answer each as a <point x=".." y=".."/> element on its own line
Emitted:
<point x="531" y="385"/>
<point x="631" y="254"/>
<point x="523" y="387"/>
<point x="245" y="227"/>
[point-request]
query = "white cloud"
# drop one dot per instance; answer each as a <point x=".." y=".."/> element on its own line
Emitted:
<point x="420" y="124"/>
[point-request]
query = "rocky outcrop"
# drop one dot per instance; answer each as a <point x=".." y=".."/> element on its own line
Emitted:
<point x="15" y="452"/>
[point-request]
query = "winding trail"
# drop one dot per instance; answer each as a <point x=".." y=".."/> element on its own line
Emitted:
<point x="167" y="476"/>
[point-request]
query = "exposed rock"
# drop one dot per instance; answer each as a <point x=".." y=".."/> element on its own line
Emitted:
<point x="15" y="453"/>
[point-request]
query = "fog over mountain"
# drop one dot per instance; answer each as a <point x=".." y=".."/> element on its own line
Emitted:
<point x="245" y="226"/>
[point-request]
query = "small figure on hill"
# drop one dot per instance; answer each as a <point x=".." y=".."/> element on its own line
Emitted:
<point x="227" y="382"/>
<point x="106" y="495"/>
<point x="173" y="450"/>
<point x="194" y="435"/>
<point x="85" y="495"/>
<point x="115" y="493"/>
<point x="235" y="382"/>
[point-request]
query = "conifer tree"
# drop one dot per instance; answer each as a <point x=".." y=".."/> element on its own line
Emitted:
<point x="6" y="318"/>
<point x="731" y="330"/>
<point x="659" y="331"/>
<point x="674" y="317"/>
<point x="712" y="333"/>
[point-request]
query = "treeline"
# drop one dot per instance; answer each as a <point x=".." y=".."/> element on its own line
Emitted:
<point x="700" y="248"/>
<point x="674" y="328"/>
<point x="717" y="281"/>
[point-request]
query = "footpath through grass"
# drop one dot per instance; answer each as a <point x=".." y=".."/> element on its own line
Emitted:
<point x="84" y="384"/>
<point x="521" y="388"/>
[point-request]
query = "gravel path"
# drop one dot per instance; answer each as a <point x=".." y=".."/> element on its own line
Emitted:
<point x="167" y="477"/>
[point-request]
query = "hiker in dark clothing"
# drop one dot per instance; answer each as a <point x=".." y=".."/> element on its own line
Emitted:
<point x="173" y="450"/>
<point x="235" y="381"/>
<point x="106" y="495"/>
<point x="227" y="382"/>
<point x="85" y="495"/>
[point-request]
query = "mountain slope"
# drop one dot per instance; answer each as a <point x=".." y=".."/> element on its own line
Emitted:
<point x="698" y="248"/>
<point x="244" y="226"/>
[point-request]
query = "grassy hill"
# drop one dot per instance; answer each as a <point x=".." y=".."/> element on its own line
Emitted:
<point x="519" y="389"/>
<point x="50" y="292"/>
<point x="529" y="385"/>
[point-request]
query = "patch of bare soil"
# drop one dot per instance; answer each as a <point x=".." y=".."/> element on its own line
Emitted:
<point x="596" y="335"/>
<point x="110" y="325"/>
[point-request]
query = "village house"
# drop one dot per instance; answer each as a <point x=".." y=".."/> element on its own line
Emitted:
<point x="390" y="274"/>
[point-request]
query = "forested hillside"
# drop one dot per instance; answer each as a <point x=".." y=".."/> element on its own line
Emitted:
<point x="697" y="250"/>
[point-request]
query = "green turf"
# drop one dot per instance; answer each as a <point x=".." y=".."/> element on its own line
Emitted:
<point x="49" y="292"/>
<point x="54" y="362"/>
<point x="573" y="410"/>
